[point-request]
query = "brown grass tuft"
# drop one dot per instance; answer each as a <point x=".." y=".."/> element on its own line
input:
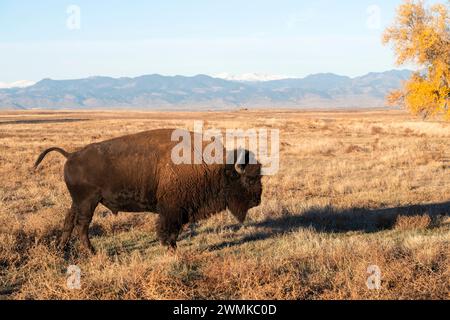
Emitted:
<point x="412" y="222"/>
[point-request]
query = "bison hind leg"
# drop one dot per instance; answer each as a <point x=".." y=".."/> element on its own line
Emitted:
<point x="69" y="224"/>
<point x="85" y="204"/>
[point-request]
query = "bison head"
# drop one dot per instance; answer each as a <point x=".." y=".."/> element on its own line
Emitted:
<point x="243" y="186"/>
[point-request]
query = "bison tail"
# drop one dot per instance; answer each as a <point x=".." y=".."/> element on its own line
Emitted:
<point x="43" y="154"/>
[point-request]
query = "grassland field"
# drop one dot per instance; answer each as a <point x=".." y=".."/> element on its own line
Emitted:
<point x="354" y="189"/>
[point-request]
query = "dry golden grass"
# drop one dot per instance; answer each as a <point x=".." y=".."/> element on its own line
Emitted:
<point x="354" y="189"/>
<point x="412" y="222"/>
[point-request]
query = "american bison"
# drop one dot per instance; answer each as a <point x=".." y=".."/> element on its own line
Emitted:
<point x="135" y="173"/>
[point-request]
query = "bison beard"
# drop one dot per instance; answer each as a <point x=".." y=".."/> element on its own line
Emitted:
<point x="135" y="173"/>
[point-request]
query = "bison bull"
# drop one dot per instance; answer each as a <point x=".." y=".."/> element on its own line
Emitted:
<point x="135" y="173"/>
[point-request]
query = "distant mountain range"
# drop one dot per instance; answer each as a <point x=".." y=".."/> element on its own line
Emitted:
<point x="158" y="92"/>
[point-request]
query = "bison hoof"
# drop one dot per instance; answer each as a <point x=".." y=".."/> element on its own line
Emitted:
<point x="62" y="247"/>
<point x="172" y="250"/>
<point x="86" y="248"/>
<point x="171" y="247"/>
<point x="87" y="251"/>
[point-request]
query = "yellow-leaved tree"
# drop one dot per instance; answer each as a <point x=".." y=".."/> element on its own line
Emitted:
<point x="421" y="35"/>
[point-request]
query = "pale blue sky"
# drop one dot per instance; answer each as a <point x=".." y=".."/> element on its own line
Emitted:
<point x="129" y="38"/>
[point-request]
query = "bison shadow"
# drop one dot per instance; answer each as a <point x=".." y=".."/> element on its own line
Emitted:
<point x="331" y="220"/>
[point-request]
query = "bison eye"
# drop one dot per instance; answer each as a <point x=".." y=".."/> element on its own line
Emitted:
<point x="235" y="175"/>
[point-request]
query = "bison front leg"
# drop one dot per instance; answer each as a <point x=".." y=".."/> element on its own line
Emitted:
<point x="238" y="210"/>
<point x="169" y="227"/>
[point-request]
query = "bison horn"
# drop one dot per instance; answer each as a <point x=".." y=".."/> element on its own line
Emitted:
<point x="240" y="162"/>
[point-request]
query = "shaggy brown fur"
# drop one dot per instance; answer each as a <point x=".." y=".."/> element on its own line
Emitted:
<point x="135" y="173"/>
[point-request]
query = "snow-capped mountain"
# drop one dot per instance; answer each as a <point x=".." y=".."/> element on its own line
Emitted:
<point x="250" y="77"/>
<point x="16" y="84"/>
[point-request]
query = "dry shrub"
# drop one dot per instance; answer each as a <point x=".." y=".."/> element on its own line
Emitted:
<point x="354" y="148"/>
<point x="329" y="152"/>
<point x="376" y="130"/>
<point x="408" y="132"/>
<point x="412" y="222"/>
